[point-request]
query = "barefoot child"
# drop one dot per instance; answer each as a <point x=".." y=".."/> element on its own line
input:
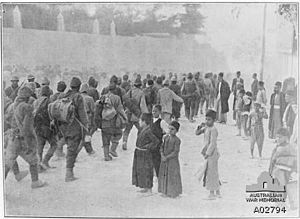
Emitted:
<point x="169" y="181"/>
<point x="255" y="125"/>
<point x="142" y="170"/>
<point x="210" y="152"/>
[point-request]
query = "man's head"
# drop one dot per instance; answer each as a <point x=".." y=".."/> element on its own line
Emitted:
<point x="61" y="86"/>
<point x="125" y="77"/>
<point x="138" y="83"/>
<point x="277" y="87"/>
<point x="92" y="81"/>
<point x="166" y="83"/>
<point x="241" y="93"/>
<point x="261" y="85"/>
<point x="31" y="85"/>
<point x="290" y="96"/>
<point x="24" y="93"/>
<point x="190" y="76"/>
<point x="75" y="83"/>
<point x="30" y="78"/>
<point x="119" y="81"/>
<point x="84" y="88"/>
<point x="45" y="81"/>
<point x="238" y="74"/>
<point x="220" y="76"/>
<point x="45" y="91"/>
<point x="150" y="82"/>
<point x="114" y="79"/>
<point x="282" y="136"/>
<point x="156" y="111"/>
<point x="14" y="81"/>
<point x="159" y="80"/>
<point x="174" y="80"/>
<point x="254" y="76"/>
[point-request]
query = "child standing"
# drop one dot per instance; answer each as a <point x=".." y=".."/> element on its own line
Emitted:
<point x="142" y="170"/>
<point x="210" y="152"/>
<point x="238" y="109"/>
<point x="247" y="101"/>
<point x="169" y="181"/>
<point x="255" y="125"/>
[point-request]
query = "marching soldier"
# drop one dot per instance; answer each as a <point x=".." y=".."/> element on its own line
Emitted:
<point x="22" y="139"/>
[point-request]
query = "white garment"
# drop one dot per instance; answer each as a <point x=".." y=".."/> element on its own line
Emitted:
<point x="219" y="95"/>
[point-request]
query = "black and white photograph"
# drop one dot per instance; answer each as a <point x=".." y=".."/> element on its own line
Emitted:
<point x="149" y="109"/>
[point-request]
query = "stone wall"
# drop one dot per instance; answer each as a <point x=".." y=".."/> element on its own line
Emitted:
<point x="110" y="54"/>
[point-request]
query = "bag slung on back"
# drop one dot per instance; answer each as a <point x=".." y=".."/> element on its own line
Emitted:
<point x="62" y="110"/>
<point x="108" y="112"/>
<point x="133" y="105"/>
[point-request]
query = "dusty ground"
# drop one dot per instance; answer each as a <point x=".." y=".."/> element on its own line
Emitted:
<point x="104" y="188"/>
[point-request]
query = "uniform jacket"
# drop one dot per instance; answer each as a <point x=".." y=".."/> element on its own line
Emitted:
<point x="110" y="126"/>
<point x="90" y="108"/>
<point x="22" y="121"/>
<point x="126" y="86"/>
<point x="165" y="98"/>
<point x="12" y="92"/>
<point x="74" y="128"/>
<point x="150" y="96"/>
<point x="139" y="96"/>
<point x="92" y="92"/>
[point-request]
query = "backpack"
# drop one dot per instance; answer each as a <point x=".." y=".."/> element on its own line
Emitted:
<point x="41" y="116"/>
<point x="62" y="110"/>
<point x="133" y="105"/>
<point x="108" y="111"/>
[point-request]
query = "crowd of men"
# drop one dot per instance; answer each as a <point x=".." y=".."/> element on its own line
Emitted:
<point x="29" y="123"/>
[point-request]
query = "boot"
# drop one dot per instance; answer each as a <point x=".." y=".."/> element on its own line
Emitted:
<point x="113" y="150"/>
<point x="37" y="184"/>
<point x="70" y="175"/>
<point x="107" y="157"/>
<point x="45" y="163"/>
<point x="21" y="175"/>
<point x="124" y="145"/>
<point x="41" y="168"/>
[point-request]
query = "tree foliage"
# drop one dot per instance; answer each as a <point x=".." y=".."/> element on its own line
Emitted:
<point x="129" y="20"/>
<point x="290" y="13"/>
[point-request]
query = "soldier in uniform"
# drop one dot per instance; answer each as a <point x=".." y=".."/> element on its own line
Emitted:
<point x="111" y="133"/>
<point x="12" y="91"/>
<point x="42" y="128"/>
<point x="135" y="93"/>
<point x="90" y="111"/>
<point x="74" y="133"/>
<point x="61" y="87"/>
<point x="31" y="78"/>
<point x="92" y="91"/>
<point x="22" y="139"/>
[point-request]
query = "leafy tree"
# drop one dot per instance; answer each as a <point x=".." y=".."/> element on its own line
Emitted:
<point x="290" y="13"/>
